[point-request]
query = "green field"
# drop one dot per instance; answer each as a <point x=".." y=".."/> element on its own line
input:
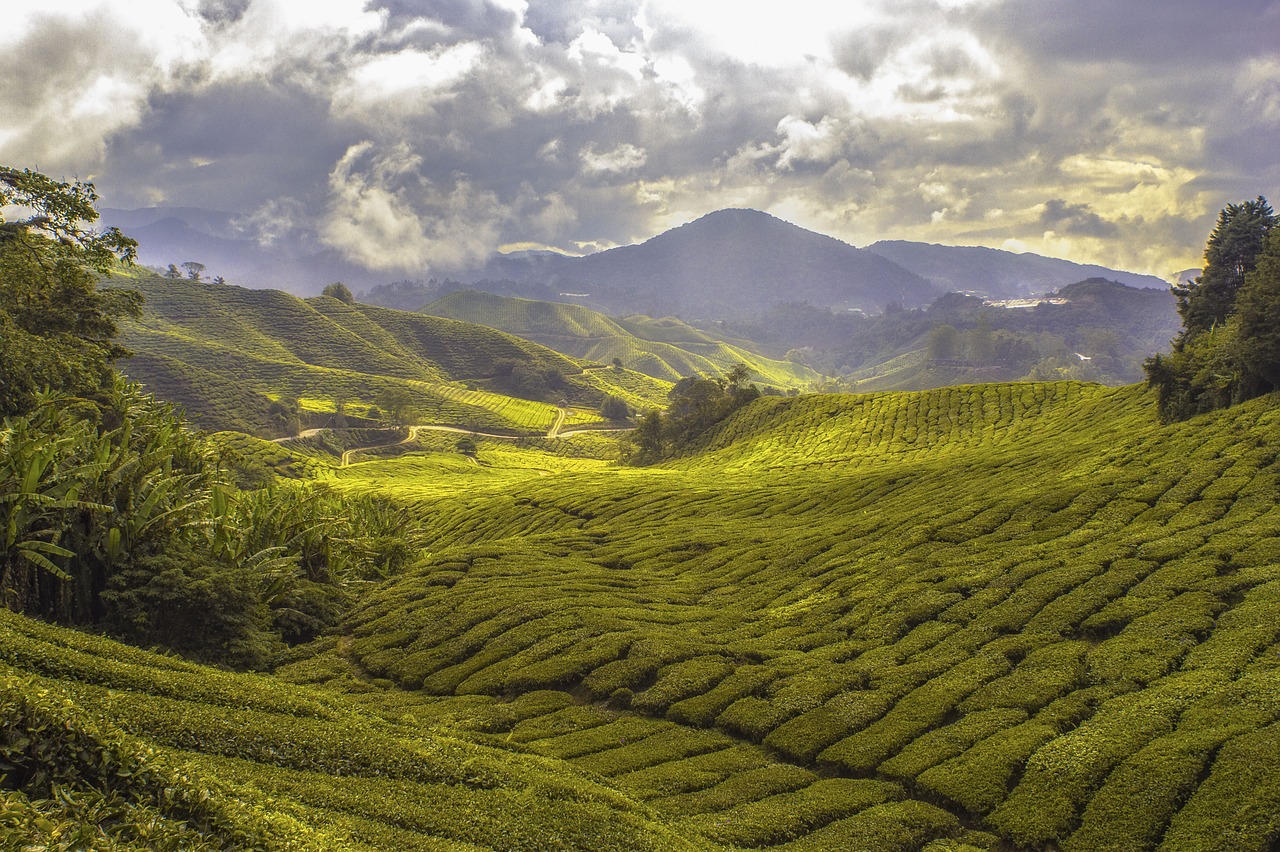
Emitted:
<point x="1014" y="616"/>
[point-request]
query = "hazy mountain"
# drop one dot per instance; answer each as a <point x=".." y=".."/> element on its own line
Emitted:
<point x="998" y="274"/>
<point x="728" y="263"/>
<point x="235" y="251"/>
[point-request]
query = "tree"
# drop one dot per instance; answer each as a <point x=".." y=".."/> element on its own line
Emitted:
<point x="57" y="327"/>
<point x="338" y="290"/>
<point x="697" y="404"/>
<point x="943" y="343"/>
<point x="615" y="408"/>
<point x="193" y="269"/>
<point x="1226" y="350"/>
<point x="397" y="404"/>
<point x="219" y="280"/>
<point x="172" y="273"/>
<point x="617" y="363"/>
<point x="1230" y="254"/>
<point x="1257" y="324"/>
<point x="980" y="342"/>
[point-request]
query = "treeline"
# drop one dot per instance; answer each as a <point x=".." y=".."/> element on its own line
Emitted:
<point x="112" y="512"/>
<point x="1229" y="347"/>
<point x="697" y="404"/>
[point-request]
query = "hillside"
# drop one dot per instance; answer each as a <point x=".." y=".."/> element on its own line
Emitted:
<point x="998" y="274"/>
<point x="225" y="352"/>
<point x="1018" y="613"/>
<point x="666" y="349"/>
<point x="1091" y="330"/>
<point x="731" y="263"/>
<point x="981" y="617"/>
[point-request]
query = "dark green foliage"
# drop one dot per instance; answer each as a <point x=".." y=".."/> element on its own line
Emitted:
<point x="57" y="328"/>
<point x="338" y="290"/>
<point x="1227" y="350"/>
<point x="1257" y="324"/>
<point x="1229" y="256"/>
<point x="179" y="598"/>
<point x="696" y="406"/>
<point x="615" y="408"/>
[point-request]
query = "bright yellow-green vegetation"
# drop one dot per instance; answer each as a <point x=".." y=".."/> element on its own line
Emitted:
<point x="1010" y="616"/>
<point x="225" y="352"/>
<point x="667" y="348"/>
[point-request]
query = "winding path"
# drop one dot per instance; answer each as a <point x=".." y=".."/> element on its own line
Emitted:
<point x="553" y="432"/>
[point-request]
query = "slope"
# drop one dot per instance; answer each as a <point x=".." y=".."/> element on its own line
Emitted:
<point x="1008" y="615"/>
<point x="224" y="352"/>
<point x="666" y="349"/>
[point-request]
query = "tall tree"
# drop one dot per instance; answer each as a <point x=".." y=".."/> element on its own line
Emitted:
<point x="1257" y="321"/>
<point x="1226" y="351"/>
<point x="1230" y="254"/>
<point x="57" y="327"/>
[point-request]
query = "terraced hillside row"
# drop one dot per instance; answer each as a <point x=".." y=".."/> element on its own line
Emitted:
<point x="225" y="352"/>
<point x="666" y="349"/>
<point x="109" y="747"/>
<point x="1006" y="615"/>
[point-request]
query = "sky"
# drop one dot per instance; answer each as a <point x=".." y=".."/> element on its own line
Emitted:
<point x="414" y="135"/>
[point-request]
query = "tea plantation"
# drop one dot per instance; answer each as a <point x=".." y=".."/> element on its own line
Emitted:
<point x="225" y="353"/>
<point x="666" y="348"/>
<point x="990" y="617"/>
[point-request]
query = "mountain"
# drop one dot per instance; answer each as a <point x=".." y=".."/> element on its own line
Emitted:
<point x="235" y="251"/>
<point x="667" y="349"/>
<point x="995" y="273"/>
<point x="731" y="263"/>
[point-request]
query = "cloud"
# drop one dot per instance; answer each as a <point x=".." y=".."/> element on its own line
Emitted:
<point x="414" y="134"/>
<point x="1076" y="219"/>
<point x="384" y="215"/>
<point x="622" y="159"/>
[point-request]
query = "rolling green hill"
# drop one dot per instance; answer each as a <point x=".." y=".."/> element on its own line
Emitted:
<point x="1020" y="614"/>
<point x="667" y="349"/>
<point x="225" y="352"/>
<point x="990" y="617"/>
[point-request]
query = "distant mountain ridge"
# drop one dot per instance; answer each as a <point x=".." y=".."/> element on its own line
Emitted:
<point x="996" y="273"/>
<point x="727" y="264"/>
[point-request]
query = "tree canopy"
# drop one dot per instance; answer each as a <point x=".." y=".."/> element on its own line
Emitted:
<point x="1229" y="347"/>
<point x="57" y="326"/>
<point x="697" y="403"/>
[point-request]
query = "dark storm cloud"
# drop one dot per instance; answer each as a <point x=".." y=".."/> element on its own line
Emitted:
<point x="210" y="145"/>
<point x="1143" y="33"/>
<point x="1078" y="219"/>
<point x="603" y="121"/>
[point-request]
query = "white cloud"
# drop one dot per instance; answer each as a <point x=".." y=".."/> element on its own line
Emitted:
<point x="406" y="82"/>
<point x="622" y="159"/>
<point x="763" y="33"/>
<point x="384" y="215"/>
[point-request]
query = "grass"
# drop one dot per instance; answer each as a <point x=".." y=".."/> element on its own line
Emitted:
<point x="1010" y="603"/>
